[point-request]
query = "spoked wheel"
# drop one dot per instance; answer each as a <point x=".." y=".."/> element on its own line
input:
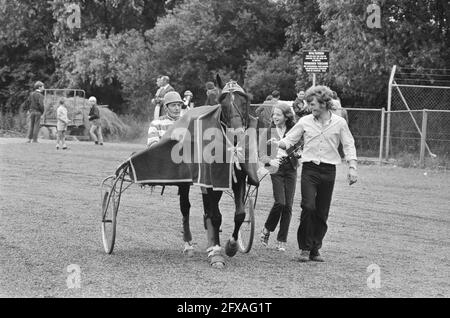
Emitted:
<point x="247" y="230"/>
<point x="110" y="206"/>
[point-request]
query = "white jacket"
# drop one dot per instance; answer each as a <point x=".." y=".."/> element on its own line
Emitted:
<point x="61" y="114"/>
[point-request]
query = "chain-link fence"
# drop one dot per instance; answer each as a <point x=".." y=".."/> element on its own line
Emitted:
<point x="365" y="125"/>
<point x="422" y="137"/>
<point x="418" y="117"/>
<point x="409" y="139"/>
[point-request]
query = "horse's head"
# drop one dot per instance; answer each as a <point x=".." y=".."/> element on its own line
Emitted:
<point x="235" y="105"/>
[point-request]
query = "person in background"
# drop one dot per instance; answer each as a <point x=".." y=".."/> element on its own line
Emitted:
<point x="336" y="101"/>
<point x="300" y="106"/>
<point x="283" y="180"/>
<point x="187" y="102"/>
<point x="156" y="100"/>
<point x="164" y="88"/>
<point x="275" y="96"/>
<point x="94" y="119"/>
<point x="212" y="93"/>
<point x="322" y="131"/>
<point x="264" y="112"/>
<point x="61" y="125"/>
<point x="35" y="111"/>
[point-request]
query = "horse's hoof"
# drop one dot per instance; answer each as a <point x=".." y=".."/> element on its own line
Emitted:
<point x="217" y="261"/>
<point x="231" y="248"/>
<point x="188" y="249"/>
<point x="188" y="253"/>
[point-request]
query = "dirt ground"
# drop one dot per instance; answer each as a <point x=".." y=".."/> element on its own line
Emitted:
<point x="395" y="218"/>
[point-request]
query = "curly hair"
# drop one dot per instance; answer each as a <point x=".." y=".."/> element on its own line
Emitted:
<point x="287" y="112"/>
<point x="322" y="93"/>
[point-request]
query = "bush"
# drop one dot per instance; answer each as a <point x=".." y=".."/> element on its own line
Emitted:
<point x="14" y="124"/>
<point x="137" y="129"/>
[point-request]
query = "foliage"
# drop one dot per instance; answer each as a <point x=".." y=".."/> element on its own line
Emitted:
<point x="413" y="34"/>
<point x="122" y="46"/>
<point x="199" y="38"/>
<point x="24" y="53"/>
<point x="266" y="73"/>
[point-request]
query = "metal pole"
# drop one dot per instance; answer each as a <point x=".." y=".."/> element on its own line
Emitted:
<point x="388" y="122"/>
<point x="383" y="113"/>
<point x="423" y="137"/>
<point x="314" y="79"/>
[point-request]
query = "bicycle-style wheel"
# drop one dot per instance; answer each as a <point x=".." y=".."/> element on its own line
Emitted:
<point x="247" y="230"/>
<point x="110" y="206"/>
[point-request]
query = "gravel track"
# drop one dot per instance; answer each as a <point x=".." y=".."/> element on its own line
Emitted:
<point x="50" y="218"/>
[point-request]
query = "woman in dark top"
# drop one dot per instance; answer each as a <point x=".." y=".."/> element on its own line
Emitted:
<point x="283" y="181"/>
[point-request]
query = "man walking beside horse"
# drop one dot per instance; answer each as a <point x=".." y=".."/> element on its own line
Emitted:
<point x="322" y="132"/>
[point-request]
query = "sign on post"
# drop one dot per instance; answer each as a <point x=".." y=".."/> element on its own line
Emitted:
<point x="316" y="62"/>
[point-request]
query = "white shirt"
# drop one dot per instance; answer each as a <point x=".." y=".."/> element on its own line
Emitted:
<point x="322" y="141"/>
<point x="61" y="114"/>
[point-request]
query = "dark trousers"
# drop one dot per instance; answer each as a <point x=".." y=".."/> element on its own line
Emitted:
<point x="34" y="125"/>
<point x="283" y="184"/>
<point x="317" y="183"/>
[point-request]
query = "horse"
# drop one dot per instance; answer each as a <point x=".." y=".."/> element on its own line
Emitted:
<point x="235" y="105"/>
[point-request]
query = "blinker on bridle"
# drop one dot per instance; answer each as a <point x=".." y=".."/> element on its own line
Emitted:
<point x="233" y="87"/>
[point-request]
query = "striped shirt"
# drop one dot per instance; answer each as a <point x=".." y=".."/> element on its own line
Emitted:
<point x="322" y="141"/>
<point x="158" y="128"/>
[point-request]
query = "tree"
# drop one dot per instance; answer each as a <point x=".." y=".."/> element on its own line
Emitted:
<point x="96" y="56"/>
<point x="24" y="54"/>
<point x="199" y="38"/>
<point x="413" y="34"/>
<point x="266" y="73"/>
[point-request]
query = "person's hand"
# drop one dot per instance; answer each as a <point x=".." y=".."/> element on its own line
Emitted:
<point x="352" y="176"/>
<point x="274" y="141"/>
<point x="264" y="159"/>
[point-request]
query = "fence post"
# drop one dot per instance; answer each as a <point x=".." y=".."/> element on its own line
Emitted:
<point x="389" y="108"/>
<point x="423" y="137"/>
<point x="383" y="113"/>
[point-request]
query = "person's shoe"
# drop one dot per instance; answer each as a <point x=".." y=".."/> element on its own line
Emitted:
<point x="57" y="147"/>
<point x="315" y="257"/>
<point x="65" y="148"/>
<point x="304" y="256"/>
<point x="96" y="142"/>
<point x="101" y="144"/>
<point x="35" y="142"/>
<point x="265" y="234"/>
<point x="28" y="141"/>
<point x="281" y="246"/>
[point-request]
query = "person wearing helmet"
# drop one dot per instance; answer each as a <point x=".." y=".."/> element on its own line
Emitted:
<point x="164" y="88"/>
<point x="187" y="102"/>
<point x="35" y="111"/>
<point x="158" y="127"/>
<point x="94" y="119"/>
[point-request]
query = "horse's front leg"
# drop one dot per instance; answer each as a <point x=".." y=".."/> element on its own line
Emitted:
<point x="185" y="207"/>
<point x="239" y="187"/>
<point x="213" y="222"/>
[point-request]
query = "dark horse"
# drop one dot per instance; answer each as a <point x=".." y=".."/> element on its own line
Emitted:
<point x="235" y="115"/>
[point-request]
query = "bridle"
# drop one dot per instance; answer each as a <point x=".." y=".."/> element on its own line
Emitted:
<point x="233" y="88"/>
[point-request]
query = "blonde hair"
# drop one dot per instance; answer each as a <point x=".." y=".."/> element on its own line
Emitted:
<point x="323" y="94"/>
